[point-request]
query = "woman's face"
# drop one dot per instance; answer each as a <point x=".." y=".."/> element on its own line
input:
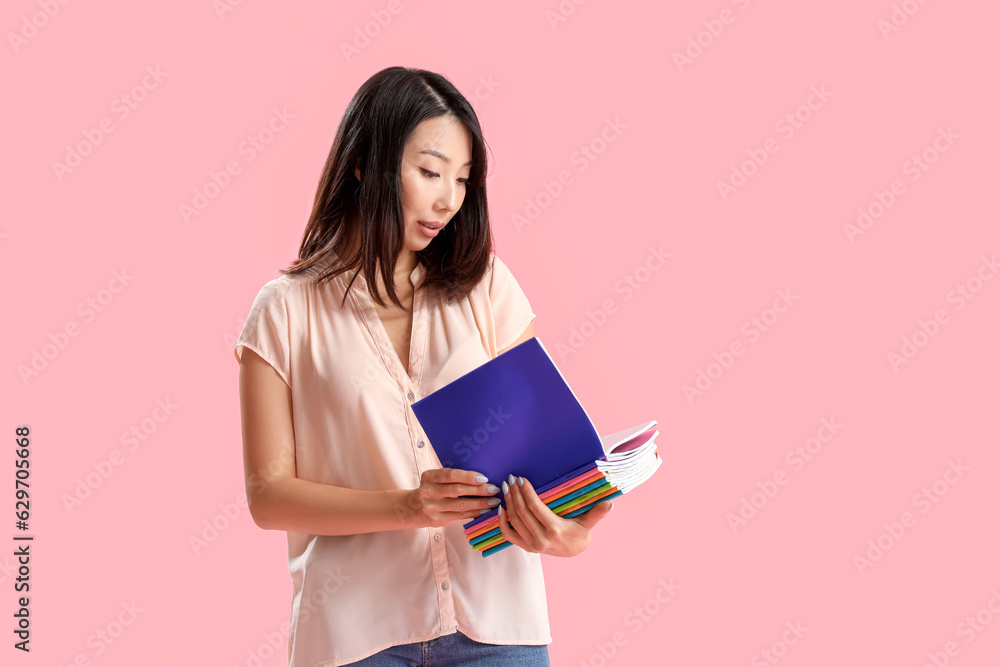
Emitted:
<point x="436" y="164"/>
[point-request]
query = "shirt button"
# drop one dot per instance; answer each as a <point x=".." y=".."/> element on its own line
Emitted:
<point x="420" y="443"/>
<point x="444" y="586"/>
<point x="409" y="395"/>
<point x="437" y="537"/>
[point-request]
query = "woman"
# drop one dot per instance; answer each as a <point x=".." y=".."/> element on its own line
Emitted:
<point x="381" y="571"/>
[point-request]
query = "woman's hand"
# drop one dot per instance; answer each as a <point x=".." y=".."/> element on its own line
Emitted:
<point x="436" y="501"/>
<point x="538" y="529"/>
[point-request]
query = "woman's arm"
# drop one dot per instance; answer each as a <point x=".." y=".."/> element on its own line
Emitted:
<point x="278" y="500"/>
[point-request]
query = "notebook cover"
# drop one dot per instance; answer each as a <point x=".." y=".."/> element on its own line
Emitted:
<point x="514" y="414"/>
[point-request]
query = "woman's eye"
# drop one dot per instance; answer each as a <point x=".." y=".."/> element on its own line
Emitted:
<point x="431" y="174"/>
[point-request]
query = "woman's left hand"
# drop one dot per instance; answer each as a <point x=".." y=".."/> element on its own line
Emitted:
<point x="538" y="529"/>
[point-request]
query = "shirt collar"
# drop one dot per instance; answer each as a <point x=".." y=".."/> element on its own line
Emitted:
<point x="417" y="275"/>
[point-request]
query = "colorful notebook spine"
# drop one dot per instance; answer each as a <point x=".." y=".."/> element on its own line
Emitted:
<point x="587" y="487"/>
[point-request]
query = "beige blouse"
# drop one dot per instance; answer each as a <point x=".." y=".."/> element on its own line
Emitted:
<point x="355" y="595"/>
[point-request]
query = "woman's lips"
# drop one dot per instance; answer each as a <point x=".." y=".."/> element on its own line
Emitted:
<point x="429" y="230"/>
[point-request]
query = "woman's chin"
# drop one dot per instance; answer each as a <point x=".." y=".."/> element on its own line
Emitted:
<point x="417" y="241"/>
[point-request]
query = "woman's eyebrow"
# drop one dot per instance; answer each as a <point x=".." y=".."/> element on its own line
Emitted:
<point x="439" y="154"/>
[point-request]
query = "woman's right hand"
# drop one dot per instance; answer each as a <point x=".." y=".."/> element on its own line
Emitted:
<point x="437" y="500"/>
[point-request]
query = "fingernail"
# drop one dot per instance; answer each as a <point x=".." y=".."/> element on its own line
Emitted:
<point x="493" y="502"/>
<point x="520" y="481"/>
<point x="492" y="489"/>
<point x="481" y="478"/>
<point x="483" y="511"/>
<point x="510" y="478"/>
<point x="505" y="489"/>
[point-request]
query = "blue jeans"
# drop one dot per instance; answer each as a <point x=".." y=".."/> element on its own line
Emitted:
<point x="457" y="650"/>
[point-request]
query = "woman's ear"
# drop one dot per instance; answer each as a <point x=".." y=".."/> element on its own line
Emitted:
<point x="357" y="173"/>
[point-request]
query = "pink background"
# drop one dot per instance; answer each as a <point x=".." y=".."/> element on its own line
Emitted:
<point x="543" y="89"/>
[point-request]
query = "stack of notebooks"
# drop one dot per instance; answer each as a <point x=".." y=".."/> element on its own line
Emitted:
<point x="516" y="414"/>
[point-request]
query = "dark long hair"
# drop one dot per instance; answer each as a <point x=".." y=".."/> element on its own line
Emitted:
<point x="378" y="122"/>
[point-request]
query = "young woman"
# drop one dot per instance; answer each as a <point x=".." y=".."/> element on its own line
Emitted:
<point x="381" y="571"/>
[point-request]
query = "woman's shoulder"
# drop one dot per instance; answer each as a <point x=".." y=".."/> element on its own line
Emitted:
<point x="495" y="269"/>
<point x="498" y="278"/>
<point x="276" y="287"/>
<point x="282" y="289"/>
<point x="284" y="283"/>
<point x="480" y="291"/>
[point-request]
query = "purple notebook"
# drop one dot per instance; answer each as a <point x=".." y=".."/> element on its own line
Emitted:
<point x="514" y="414"/>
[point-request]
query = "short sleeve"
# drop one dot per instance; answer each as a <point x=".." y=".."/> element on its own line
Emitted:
<point x="511" y="310"/>
<point x="266" y="329"/>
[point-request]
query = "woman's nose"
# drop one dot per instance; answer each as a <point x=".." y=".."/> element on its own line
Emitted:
<point x="448" y="198"/>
